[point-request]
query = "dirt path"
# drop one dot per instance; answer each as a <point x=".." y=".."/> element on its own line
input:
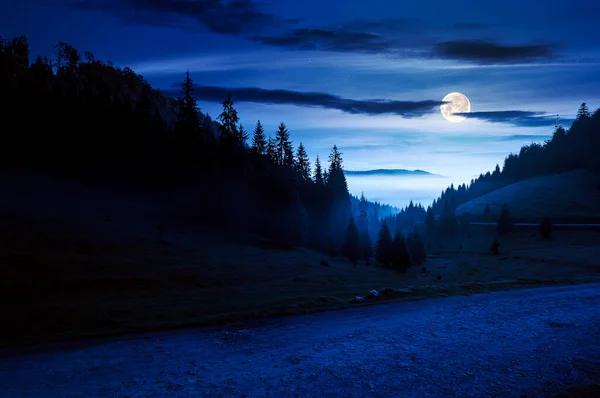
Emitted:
<point x="534" y="342"/>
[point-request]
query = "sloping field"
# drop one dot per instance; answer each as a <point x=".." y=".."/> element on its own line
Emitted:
<point x="572" y="196"/>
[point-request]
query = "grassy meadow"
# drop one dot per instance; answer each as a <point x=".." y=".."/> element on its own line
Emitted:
<point x="74" y="285"/>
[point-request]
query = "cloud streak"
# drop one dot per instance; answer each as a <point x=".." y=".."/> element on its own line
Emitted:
<point x="489" y="52"/>
<point x="516" y="118"/>
<point x="227" y="17"/>
<point x="407" y="109"/>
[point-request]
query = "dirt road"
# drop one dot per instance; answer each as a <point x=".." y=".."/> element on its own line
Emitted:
<point x="533" y="342"/>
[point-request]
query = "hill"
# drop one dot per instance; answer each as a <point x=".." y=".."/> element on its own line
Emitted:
<point x="570" y="196"/>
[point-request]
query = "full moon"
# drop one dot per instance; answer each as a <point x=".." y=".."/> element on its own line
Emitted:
<point x="457" y="103"/>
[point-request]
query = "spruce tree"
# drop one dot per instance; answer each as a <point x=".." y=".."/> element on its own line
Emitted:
<point x="416" y="249"/>
<point x="259" y="140"/>
<point x="302" y="164"/>
<point x="384" y="250"/>
<point x="187" y="124"/>
<point x="400" y="255"/>
<point x="318" y="177"/>
<point x="583" y="112"/>
<point x="271" y="150"/>
<point x="283" y="147"/>
<point x="229" y="119"/>
<point x="241" y="135"/>
<point x="505" y="223"/>
<point x="430" y="224"/>
<point x="366" y="246"/>
<point x="351" y="247"/>
<point x="546" y="228"/>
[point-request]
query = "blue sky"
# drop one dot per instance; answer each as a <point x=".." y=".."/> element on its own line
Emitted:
<point x="320" y="65"/>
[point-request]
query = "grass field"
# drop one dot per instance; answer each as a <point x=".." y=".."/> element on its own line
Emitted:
<point x="74" y="285"/>
<point x="566" y="197"/>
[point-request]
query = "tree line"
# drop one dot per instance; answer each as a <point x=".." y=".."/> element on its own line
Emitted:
<point x="78" y="117"/>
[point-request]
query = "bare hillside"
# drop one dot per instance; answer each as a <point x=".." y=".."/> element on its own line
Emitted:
<point x="572" y="195"/>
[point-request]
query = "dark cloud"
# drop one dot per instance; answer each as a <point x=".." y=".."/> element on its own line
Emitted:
<point x="515" y="118"/>
<point x="488" y="52"/>
<point x="470" y="26"/>
<point x="321" y="100"/>
<point x="329" y="40"/>
<point x="228" y="17"/>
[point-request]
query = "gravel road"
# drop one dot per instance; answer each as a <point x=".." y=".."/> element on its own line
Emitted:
<point x="529" y="342"/>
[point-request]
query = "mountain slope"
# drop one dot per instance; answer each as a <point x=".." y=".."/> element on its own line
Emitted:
<point x="567" y="196"/>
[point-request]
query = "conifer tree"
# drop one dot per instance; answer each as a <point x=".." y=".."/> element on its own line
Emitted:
<point x="351" y="247"/>
<point x="259" y="140"/>
<point x="302" y="164"/>
<point x="415" y="246"/>
<point x="271" y="150"/>
<point x="505" y="223"/>
<point x="583" y="112"/>
<point x="229" y="119"/>
<point x="384" y="250"/>
<point x="318" y="177"/>
<point x="241" y="135"/>
<point x="366" y="246"/>
<point x="187" y="124"/>
<point x="400" y="255"/>
<point x="283" y="147"/>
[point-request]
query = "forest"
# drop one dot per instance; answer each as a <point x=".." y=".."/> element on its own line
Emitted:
<point x="102" y="124"/>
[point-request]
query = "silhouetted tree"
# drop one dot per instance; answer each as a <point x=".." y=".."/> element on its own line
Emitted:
<point x="271" y="150"/>
<point x="302" y="164"/>
<point x="318" y="177"/>
<point x="259" y="139"/>
<point x="229" y="120"/>
<point x="401" y="257"/>
<point x="583" y="112"/>
<point x="187" y="126"/>
<point x="283" y="147"/>
<point x="351" y="247"/>
<point x="384" y="249"/>
<point x="416" y="249"/>
<point x="495" y="247"/>
<point x="505" y="223"/>
<point x="430" y="224"/>
<point x="487" y="212"/>
<point x="546" y="228"/>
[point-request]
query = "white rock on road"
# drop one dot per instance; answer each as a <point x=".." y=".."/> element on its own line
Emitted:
<point x="533" y="342"/>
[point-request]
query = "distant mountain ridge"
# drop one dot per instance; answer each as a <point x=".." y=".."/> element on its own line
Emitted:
<point x="390" y="172"/>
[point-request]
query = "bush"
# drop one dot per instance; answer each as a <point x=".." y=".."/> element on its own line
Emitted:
<point x="495" y="248"/>
<point x="546" y="228"/>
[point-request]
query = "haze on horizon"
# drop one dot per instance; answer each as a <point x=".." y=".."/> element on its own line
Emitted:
<point x="369" y="80"/>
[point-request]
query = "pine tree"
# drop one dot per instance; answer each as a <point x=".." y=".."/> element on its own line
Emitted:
<point x="487" y="212"/>
<point x="400" y="255"/>
<point x="351" y="247"/>
<point x="546" y="228"/>
<point x="430" y="224"/>
<point x="583" y="112"/>
<point x="366" y="246"/>
<point x="229" y="119"/>
<point x="505" y="223"/>
<point x="241" y="135"/>
<point x="271" y="150"/>
<point x="335" y="160"/>
<point x="187" y="124"/>
<point x="283" y="147"/>
<point x="384" y="250"/>
<point x="302" y="164"/>
<point x="259" y="140"/>
<point x="416" y="249"/>
<point x="318" y="177"/>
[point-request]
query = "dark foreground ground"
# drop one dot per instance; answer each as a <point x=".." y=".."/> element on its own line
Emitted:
<point x="533" y="343"/>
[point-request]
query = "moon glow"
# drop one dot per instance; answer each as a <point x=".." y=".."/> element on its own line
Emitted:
<point x="457" y="103"/>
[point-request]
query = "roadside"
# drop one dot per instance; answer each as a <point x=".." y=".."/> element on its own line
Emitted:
<point x="532" y="343"/>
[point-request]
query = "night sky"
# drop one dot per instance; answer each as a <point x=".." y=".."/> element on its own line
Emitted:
<point x="365" y="75"/>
